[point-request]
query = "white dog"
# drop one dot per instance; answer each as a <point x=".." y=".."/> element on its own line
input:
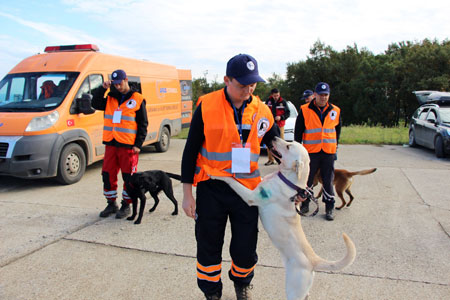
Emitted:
<point x="282" y="223"/>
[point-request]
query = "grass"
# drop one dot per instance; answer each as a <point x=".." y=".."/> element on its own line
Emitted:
<point x="357" y="134"/>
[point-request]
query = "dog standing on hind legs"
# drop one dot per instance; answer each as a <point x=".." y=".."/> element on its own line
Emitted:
<point x="342" y="182"/>
<point x="153" y="181"/>
<point x="273" y="196"/>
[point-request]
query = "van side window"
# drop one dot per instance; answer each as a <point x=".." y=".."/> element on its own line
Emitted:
<point x="91" y="82"/>
<point x="134" y="82"/>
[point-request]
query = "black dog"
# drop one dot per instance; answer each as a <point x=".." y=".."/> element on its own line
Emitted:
<point x="153" y="181"/>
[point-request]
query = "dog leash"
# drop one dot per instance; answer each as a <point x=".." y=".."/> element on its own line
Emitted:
<point x="303" y="193"/>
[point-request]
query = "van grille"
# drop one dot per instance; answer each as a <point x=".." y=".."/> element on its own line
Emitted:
<point x="3" y="149"/>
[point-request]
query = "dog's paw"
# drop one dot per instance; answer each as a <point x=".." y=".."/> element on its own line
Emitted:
<point x="137" y="222"/>
<point x="130" y="218"/>
<point x="174" y="213"/>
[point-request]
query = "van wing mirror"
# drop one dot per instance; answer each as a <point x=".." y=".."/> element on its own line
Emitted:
<point x="84" y="104"/>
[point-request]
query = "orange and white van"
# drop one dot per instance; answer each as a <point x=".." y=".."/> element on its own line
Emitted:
<point x="49" y="129"/>
<point x="186" y="97"/>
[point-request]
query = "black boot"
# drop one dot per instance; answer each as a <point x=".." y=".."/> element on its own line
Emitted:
<point x="110" y="209"/>
<point x="216" y="296"/>
<point x="304" y="207"/>
<point x="123" y="211"/>
<point x="329" y="212"/>
<point x="243" y="292"/>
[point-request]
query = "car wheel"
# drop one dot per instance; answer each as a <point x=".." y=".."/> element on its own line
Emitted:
<point x="71" y="165"/>
<point x="439" y="147"/>
<point x="412" y="138"/>
<point x="164" y="141"/>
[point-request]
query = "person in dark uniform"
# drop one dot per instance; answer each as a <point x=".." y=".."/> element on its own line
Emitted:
<point x="280" y="111"/>
<point x="307" y="96"/>
<point x="224" y="139"/>
<point x="318" y="127"/>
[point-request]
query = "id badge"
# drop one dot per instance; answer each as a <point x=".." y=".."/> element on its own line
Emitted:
<point x="117" y="116"/>
<point x="240" y="159"/>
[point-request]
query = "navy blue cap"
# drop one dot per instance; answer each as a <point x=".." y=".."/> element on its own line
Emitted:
<point x="306" y="94"/>
<point x="117" y="76"/>
<point x="244" y="69"/>
<point x="322" y="88"/>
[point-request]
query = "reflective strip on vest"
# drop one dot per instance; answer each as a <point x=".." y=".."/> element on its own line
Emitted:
<point x="126" y="118"/>
<point x="226" y="156"/>
<point x="118" y="129"/>
<point x="244" y="126"/>
<point x="314" y="130"/>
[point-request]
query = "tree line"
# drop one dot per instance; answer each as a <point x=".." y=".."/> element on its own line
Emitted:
<point x="370" y="89"/>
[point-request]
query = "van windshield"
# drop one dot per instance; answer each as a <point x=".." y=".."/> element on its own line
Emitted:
<point x="30" y="92"/>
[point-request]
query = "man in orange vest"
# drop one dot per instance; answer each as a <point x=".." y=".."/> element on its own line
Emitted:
<point x="124" y="131"/>
<point x="318" y="127"/>
<point x="224" y="139"/>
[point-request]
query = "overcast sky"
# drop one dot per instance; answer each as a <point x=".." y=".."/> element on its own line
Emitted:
<point x="202" y="35"/>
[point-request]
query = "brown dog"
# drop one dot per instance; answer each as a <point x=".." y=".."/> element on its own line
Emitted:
<point x="343" y="180"/>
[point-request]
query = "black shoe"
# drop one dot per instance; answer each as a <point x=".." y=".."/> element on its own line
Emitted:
<point x="215" y="296"/>
<point x="304" y="208"/>
<point x="329" y="214"/>
<point x="269" y="163"/>
<point x="123" y="211"/>
<point x="110" y="209"/>
<point x="243" y="292"/>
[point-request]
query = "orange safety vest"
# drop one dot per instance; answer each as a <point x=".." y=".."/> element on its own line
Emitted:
<point x="125" y="131"/>
<point x="221" y="131"/>
<point x="316" y="136"/>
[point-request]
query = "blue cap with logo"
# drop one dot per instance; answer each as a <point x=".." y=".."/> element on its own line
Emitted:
<point x="244" y="69"/>
<point x="306" y="94"/>
<point x="117" y="76"/>
<point x="322" y="88"/>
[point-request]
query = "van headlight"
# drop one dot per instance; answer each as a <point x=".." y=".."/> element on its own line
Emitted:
<point x="44" y="122"/>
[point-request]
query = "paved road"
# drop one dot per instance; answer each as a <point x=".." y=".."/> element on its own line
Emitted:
<point x="53" y="245"/>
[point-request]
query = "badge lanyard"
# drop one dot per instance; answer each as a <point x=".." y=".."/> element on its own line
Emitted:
<point x="239" y="121"/>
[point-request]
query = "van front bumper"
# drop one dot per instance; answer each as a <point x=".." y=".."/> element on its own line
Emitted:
<point x="28" y="156"/>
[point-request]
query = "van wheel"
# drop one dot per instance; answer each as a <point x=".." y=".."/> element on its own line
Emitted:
<point x="439" y="147"/>
<point x="164" y="141"/>
<point x="71" y="165"/>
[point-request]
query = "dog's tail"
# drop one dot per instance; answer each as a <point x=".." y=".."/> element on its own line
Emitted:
<point x="321" y="264"/>
<point x="174" y="176"/>
<point x="363" y="172"/>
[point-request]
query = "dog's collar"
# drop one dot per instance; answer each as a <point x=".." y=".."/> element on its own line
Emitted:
<point x="290" y="184"/>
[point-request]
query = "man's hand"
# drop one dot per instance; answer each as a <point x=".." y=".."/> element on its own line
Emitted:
<point x="107" y="84"/>
<point x="136" y="150"/>
<point x="277" y="118"/>
<point x="188" y="201"/>
<point x="298" y="199"/>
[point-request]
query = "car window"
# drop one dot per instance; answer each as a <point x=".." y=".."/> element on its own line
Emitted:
<point x="445" y="114"/>
<point x="431" y="116"/>
<point x="423" y="114"/>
